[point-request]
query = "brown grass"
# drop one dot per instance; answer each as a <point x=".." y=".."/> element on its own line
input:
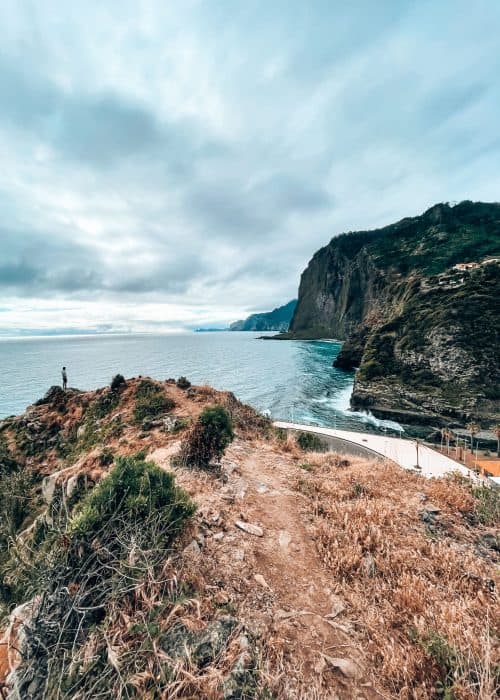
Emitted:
<point x="425" y="602"/>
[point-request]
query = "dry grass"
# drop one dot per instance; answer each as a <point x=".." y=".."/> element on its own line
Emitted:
<point x="424" y="600"/>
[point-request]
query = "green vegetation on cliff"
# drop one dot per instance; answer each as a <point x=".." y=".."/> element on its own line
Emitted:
<point x="276" y="320"/>
<point x="410" y="319"/>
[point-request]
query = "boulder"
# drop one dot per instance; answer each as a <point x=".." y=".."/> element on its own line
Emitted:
<point x="249" y="528"/>
<point x="201" y="647"/>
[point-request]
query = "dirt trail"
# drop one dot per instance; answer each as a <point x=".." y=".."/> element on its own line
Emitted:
<point x="277" y="581"/>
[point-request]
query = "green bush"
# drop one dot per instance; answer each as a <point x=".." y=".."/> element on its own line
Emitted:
<point x="370" y="370"/>
<point x="134" y="488"/>
<point x="209" y="437"/>
<point x="150" y="401"/>
<point x="487" y="504"/>
<point x="103" y="556"/>
<point x="309" y="442"/>
<point x="183" y="383"/>
<point x="118" y="382"/>
<point x="103" y="405"/>
<point x="106" y="457"/>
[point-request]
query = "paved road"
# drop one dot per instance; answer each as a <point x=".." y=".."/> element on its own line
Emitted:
<point x="399" y="450"/>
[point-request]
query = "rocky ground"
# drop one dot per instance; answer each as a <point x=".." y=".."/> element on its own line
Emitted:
<point x="301" y="574"/>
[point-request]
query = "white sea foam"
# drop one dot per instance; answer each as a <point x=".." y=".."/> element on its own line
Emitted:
<point x="368" y="417"/>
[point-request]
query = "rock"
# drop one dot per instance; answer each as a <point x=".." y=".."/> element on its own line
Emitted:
<point x="490" y="541"/>
<point x="430" y="508"/>
<point x="49" y="487"/>
<point x="240" y="682"/>
<point x="262" y="488"/>
<point x="249" y="528"/>
<point x="201" y="647"/>
<point x="337" y="608"/>
<point x="284" y="539"/>
<point x="72" y="485"/>
<point x="368" y="565"/>
<point x="349" y="668"/>
<point x="261" y="581"/>
<point x="218" y="536"/>
<point x="171" y="423"/>
<point x="238" y="554"/>
<point x="221" y="598"/>
<point x="192" y="548"/>
<point x="80" y="432"/>
<point x="428" y="516"/>
<point x="55" y="395"/>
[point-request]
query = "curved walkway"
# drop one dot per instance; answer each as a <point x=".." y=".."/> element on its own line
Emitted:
<point x="406" y="453"/>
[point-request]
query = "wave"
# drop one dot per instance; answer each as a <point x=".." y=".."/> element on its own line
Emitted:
<point x="368" y="417"/>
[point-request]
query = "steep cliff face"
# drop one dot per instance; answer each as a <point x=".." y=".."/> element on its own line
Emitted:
<point x="337" y="291"/>
<point x="423" y="334"/>
<point x="276" y="320"/>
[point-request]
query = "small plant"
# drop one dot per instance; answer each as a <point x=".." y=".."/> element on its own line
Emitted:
<point x="487" y="504"/>
<point x="446" y="660"/>
<point x="103" y="405"/>
<point x="358" y="490"/>
<point x="281" y="435"/>
<point x="106" y="458"/>
<point x="309" y="442"/>
<point x="305" y="466"/>
<point x="118" y="382"/>
<point x="183" y="383"/>
<point x="150" y="401"/>
<point x="209" y="437"/>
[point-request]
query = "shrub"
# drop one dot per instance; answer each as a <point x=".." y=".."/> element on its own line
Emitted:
<point x="209" y="437"/>
<point x="183" y="383"/>
<point x="487" y="504"/>
<point x="134" y="488"/>
<point x="118" y="382"/>
<point x="370" y="369"/>
<point x="150" y="401"/>
<point x="106" y="458"/>
<point x="103" y="405"/>
<point x="309" y="442"/>
<point x="106" y="561"/>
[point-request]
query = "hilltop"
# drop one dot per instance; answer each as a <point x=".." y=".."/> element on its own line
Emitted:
<point x="130" y="570"/>
<point x="423" y="332"/>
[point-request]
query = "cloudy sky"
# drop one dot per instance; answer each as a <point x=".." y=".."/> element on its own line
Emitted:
<point x="176" y="163"/>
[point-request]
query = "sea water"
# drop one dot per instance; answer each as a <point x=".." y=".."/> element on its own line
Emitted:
<point x="291" y="380"/>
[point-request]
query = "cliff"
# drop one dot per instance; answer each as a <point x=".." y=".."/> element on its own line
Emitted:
<point x="130" y="569"/>
<point x="276" y="320"/>
<point x="424" y="334"/>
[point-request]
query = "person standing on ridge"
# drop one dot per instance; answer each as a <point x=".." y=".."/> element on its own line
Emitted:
<point x="64" y="378"/>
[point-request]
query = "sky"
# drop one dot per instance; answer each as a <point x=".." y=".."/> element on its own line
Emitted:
<point x="167" y="165"/>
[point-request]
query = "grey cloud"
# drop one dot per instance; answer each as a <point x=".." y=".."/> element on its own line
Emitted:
<point x="100" y="129"/>
<point x="214" y="146"/>
<point x="18" y="274"/>
<point x="236" y="210"/>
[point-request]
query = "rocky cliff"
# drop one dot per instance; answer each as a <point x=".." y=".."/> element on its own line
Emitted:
<point x="423" y="333"/>
<point x="276" y="320"/>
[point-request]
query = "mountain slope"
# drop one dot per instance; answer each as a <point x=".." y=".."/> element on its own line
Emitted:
<point x="424" y="335"/>
<point x="276" y="320"/>
<point x="299" y="574"/>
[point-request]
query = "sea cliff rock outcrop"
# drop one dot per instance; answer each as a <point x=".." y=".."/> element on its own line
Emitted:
<point x="421" y="326"/>
<point x="276" y="320"/>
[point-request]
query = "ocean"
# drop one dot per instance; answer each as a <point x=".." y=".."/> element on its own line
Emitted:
<point x="293" y="380"/>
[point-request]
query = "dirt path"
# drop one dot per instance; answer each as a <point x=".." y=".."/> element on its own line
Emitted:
<point x="309" y="615"/>
<point x="277" y="580"/>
